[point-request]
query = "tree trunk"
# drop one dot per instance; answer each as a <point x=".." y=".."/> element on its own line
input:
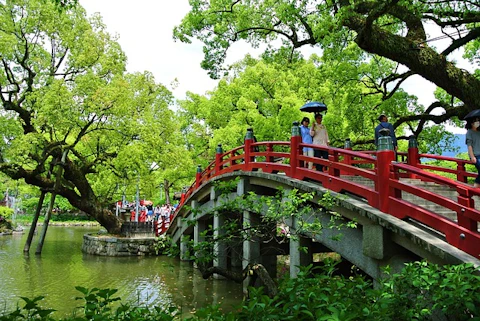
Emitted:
<point x="421" y="59"/>
<point x="166" y="187"/>
<point x="254" y="270"/>
<point x="33" y="227"/>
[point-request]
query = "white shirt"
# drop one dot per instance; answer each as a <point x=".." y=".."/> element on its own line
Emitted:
<point x="319" y="134"/>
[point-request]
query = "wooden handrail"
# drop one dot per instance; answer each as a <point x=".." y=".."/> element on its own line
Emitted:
<point x="383" y="171"/>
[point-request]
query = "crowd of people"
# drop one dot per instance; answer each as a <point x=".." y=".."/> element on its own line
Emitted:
<point x="147" y="212"/>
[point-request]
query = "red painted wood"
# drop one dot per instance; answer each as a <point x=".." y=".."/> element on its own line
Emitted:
<point x="384" y="159"/>
<point x="286" y="157"/>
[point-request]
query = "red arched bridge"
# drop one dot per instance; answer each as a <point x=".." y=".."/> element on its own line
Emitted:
<point x="404" y="188"/>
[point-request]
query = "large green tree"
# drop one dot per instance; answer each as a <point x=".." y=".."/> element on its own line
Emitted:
<point x="65" y="92"/>
<point x="393" y="29"/>
<point x="266" y="94"/>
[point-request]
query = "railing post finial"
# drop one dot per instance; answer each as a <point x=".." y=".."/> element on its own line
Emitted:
<point x="198" y="177"/>
<point x="249" y="134"/>
<point x="384" y="141"/>
<point x="295" y="129"/>
<point x="348" y="144"/>
<point x="412" y="142"/>
<point x="218" y="159"/>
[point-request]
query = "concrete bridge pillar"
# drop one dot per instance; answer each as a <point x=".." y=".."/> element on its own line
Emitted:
<point x="199" y="228"/>
<point x="251" y="247"/>
<point x="219" y="248"/>
<point x="185" y="239"/>
<point x="300" y="250"/>
<point x="374" y="241"/>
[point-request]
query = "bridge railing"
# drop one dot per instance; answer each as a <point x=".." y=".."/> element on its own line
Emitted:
<point x="459" y="171"/>
<point x="462" y="233"/>
<point x="379" y="168"/>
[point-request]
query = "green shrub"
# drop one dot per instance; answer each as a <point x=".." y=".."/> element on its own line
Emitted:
<point x="6" y="212"/>
<point x="421" y="291"/>
<point x="97" y="305"/>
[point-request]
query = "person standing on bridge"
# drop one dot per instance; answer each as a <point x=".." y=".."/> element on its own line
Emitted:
<point x="320" y="137"/>
<point x="306" y="139"/>
<point x="385" y="124"/>
<point x="472" y="140"/>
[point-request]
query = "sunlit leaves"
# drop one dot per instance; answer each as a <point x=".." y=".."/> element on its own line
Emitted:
<point x="64" y="85"/>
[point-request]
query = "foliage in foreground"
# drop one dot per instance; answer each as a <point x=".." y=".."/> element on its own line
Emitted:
<point x="97" y="305"/>
<point x="6" y="212"/>
<point x="421" y="291"/>
<point x="5" y="215"/>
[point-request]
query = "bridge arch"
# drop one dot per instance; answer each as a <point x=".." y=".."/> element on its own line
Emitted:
<point x="380" y="239"/>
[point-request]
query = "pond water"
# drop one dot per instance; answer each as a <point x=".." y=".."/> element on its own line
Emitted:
<point x="152" y="281"/>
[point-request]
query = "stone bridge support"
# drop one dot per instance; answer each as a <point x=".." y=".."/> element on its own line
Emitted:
<point x="378" y="240"/>
<point x="300" y="249"/>
<point x="251" y="247"/>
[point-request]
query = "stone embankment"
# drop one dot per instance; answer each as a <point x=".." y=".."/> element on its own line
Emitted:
<point x="107" y="245"/>
<point x="69" y="224"/>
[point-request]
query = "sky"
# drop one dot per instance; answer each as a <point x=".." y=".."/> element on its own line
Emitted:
<point x="145" y="31"/>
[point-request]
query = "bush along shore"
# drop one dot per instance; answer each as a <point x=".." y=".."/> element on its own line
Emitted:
<point x="421" y="291"/>
<point x="9" y="227"/>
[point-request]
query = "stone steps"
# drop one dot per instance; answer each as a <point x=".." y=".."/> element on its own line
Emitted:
<point x="433" y="187"/>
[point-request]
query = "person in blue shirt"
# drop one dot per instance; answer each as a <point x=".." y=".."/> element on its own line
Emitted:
<point x="385" y="124"/>
<point x="306" y="139"/>
<point x="472" y="139"/>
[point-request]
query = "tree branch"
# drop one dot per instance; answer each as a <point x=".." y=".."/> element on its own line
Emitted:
<point x="472" y="35"/>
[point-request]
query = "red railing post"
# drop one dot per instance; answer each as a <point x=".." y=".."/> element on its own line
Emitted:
<point x="333" y="157"/>
<point x="462" y="220"/>
<point x="385" y="156"/>
<point x="269" y="151"/>
<point x="182" y="197"/>
<point x="295" y="141"/>
<point x="247" y="149"/>
<point x="198" y="176"/>
<point x="461" y="177"/>
<point x="412" y="158"/>
<point x="347" y="159"/>
<point x="218" y="159"/>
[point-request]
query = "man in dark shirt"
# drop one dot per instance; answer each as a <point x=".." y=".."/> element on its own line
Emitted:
<point x="385" y="124"/>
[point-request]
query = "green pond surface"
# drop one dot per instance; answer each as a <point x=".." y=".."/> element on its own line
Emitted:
<point x="151" y="281"/>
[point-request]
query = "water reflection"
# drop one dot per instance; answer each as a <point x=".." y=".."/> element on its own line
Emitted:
<point x="141" y="280"/>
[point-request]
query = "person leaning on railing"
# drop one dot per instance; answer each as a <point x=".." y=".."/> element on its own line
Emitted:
<point x="472" y="140"/>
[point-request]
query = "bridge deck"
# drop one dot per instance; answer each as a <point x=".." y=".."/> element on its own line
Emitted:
<point x="409" y="190"/>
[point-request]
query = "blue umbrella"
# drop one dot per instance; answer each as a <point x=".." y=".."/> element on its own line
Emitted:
<point x="473" y="114"/>
<point x="314" y="107"/>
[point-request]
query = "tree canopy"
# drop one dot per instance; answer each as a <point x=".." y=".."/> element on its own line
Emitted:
<point x="266" y="94"/>
<point x="64" y="91"/>
<point x="395" y="29"/>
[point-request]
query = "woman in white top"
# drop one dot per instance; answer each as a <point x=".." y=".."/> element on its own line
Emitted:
<point x="320" y="137"/>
